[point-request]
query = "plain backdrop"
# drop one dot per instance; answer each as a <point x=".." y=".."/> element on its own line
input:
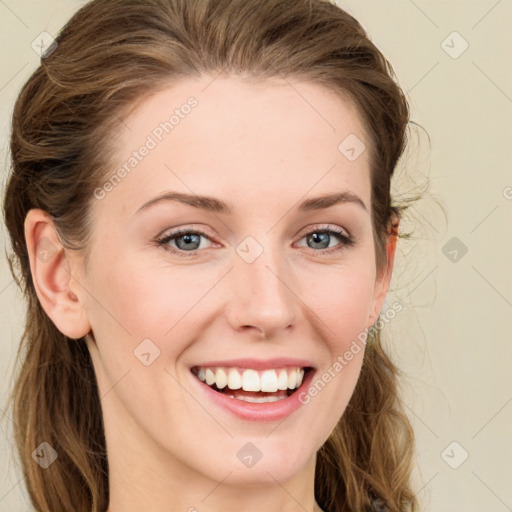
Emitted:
<point x="453" y="277"/>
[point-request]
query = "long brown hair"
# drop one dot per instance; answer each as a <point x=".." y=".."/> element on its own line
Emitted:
<point x="110" y="56"/>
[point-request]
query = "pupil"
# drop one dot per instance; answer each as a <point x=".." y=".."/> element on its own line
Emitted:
<point x="315" y="237"/>
<point x="187" y="239"/>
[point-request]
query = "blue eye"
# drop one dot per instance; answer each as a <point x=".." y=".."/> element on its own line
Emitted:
<point x="187" y="242"/>
<point x="183" y="239"/>
<point x="321" y="236"/>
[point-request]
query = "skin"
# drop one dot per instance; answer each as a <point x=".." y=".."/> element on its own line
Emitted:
<point x="262" y="148"/>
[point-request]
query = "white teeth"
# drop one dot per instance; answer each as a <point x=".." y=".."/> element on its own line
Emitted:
<point x="251" y="381"/>
<point x="221" y="379"/>
<point x="282" y="380"/>
<point x="234" y="379"/>
<point x="292" y="380"/>
<point x="210" y="377"/>
<point x="268" y="381"/>
<point x="300" y="376"/>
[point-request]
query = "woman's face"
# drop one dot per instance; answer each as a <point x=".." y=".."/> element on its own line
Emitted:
<point x="254" y="282"/>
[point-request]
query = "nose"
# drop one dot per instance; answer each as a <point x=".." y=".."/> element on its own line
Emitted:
<point x="263" y="296"/>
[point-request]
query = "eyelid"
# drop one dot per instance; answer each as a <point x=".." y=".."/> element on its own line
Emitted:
<point x="188" y="228"/>
<point x="324" y="227"/>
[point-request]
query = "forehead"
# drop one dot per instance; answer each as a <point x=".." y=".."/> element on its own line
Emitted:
<point x="215" y="135"/>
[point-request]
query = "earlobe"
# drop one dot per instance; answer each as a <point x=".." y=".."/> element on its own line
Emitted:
<point x="51" y="272"/>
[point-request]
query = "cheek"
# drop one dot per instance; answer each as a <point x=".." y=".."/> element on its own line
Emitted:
<point x="343" y="308"/>
<point x="142" y="300"/>
<point x="342" y="298"/>
<point x="138" y="301"/>
<point x="134" y="303"/>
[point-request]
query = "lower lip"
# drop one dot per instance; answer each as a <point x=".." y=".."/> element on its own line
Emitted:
<point x="265" y="412"/>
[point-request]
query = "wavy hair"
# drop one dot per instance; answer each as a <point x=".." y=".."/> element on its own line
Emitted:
<point x="62" y="128"/>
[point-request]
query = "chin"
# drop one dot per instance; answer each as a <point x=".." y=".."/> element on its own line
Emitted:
<point x="261" y="462"/>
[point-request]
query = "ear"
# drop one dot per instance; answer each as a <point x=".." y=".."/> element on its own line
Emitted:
<point x="59" y="293"/>
<point x="384" y="275"/>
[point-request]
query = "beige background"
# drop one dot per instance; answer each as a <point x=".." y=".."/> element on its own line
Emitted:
<point x="453" y="338"/>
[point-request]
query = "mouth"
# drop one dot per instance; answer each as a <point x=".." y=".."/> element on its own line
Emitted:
<point x="251" y="385"/>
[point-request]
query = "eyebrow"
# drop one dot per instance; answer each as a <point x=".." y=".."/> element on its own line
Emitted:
<point x="216" y="205"/>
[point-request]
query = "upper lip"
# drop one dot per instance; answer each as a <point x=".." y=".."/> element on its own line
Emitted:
<point x="258" y="364"/>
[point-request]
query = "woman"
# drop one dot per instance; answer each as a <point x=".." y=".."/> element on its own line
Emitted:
<point x="244" y="372"/>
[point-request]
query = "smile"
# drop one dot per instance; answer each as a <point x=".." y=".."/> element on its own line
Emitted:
<point x="251" y="385"/>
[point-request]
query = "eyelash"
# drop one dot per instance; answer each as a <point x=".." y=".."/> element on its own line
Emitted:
<point x="346" y="241"/>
